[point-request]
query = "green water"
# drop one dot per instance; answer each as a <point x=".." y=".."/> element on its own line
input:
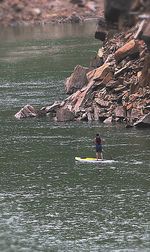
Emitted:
<point x="47" y="201"/>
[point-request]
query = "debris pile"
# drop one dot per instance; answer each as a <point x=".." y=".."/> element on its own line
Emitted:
<point x="115" y="87"/>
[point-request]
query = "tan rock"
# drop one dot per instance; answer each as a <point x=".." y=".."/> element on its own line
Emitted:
<point x="128" y="49"/>
<point x="77" y="79"/>
<point x="82" y="96"/>
<point x="107" y="78"/>
<point x="99" y="73"/>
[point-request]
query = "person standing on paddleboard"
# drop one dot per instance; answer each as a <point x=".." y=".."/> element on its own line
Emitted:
<point x="98" y="146"/>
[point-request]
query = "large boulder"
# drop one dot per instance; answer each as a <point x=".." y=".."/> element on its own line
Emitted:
<point x="64" y="114"/>
<point x="77" y="79"/>
<point x="128" y="49"/>
<point x="99" y="73"/>
<point x="143" y="121"/>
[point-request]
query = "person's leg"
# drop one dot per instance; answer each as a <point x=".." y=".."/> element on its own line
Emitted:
<point x="100" y="156"/>
<point x="97" y="155"/>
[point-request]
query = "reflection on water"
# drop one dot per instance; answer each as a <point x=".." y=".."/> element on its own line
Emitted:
<point x="49" y="31"/>
<point x="48" y="201"/>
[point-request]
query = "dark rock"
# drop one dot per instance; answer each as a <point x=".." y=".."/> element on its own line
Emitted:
<point x="146" y="35"/>
<point x="74" y="18"/>
<point x="101" y="35"/>
<point x="144" y="121"/>
<point x="18" y="7"/>
<point x="80" y="3"/>
<point x="64" y="114"/>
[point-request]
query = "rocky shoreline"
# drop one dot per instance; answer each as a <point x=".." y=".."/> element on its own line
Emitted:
<point x="25" y="12"/>
<point x="114" y="89"/>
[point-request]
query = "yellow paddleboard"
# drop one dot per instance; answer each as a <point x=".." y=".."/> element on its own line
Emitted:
<point x="91" y="160"/>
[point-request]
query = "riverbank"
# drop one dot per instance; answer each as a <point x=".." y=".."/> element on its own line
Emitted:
<point x="14" y="12"/>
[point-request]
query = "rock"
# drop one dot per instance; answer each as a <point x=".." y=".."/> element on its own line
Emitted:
<point x="99" y="73"/>
<point x="77" y="79"/>
<point x="146" y="35"/>
<point x="81" y="98"/>
<point x="139" y="32"/>
<point x="80" y="3"/>
<point x="73" y="18"/>
<point x="96" y="112"/>
<point x="135" y="114"/>
<point x="119" y="112"/>
<point x="108" y="120"/>
<point x="18" y="7"/>
<point x="89" y="115"/>
<point x="102" y="103"/>
<point x="147" y="108"/>
<point x="111" y="85"/>
<point x="101" y="35"/>
<point x="98" y="59"/>
<point x="36" y="11"/>
<point x="119" y="89"/>
<point x="96" y="62"/>
<point x="101" y="30"/>
<point x="64" y="114"/>
<point x="129" y="48"/>
<point x="144" y="81"/>
<point x="106" y="79"/>
<point x="91" y="6"/>
<point x="143" y="122"/>
<point x="122" y="70"/>
<point x="53" y="107"/>
<point x="100" y="53"/>
<point x="26" y="111"/>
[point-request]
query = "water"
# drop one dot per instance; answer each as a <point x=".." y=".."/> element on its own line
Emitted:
<point x="47" y="201"/>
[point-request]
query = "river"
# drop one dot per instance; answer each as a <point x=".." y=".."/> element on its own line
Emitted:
<point x="48" y="202"/>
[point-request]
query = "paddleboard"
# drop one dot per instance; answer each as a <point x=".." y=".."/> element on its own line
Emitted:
<point x="92" y="160"/>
